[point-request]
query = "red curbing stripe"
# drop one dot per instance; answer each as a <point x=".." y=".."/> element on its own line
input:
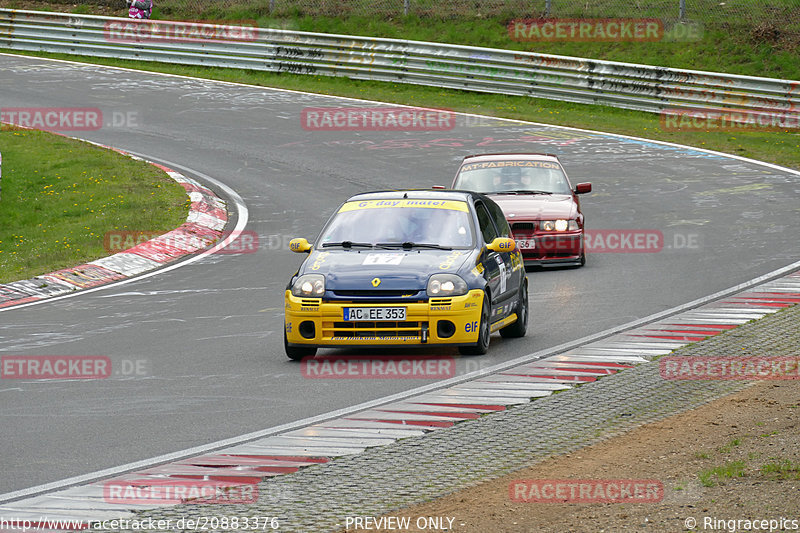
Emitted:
<point x="268" y="471"/>
<point x="233" y="480"/>
<point x="714" y="326"/>
<point x="191" y="471"/>
<point x="568" y="369"/>
<point x="707" y="333"/>
<point x="191" y="187"/>
<point x="673" y="337"/>
<point x="467" y="406"/>
<point x="757" y="304"/>
<point x="234" y="460"/>
<point x="85" y="276"/>
<point x="18" y="301"/>
<point x="162" y="167"/>
<point x="610" y="365"/>
<point x="565" y="379"/>
<point x="208" y="209"/>
<point x="462" y="416"/>
<point x="291" y="458"/>
<point x="774" y="296"/>
<point x="425" y="423"/>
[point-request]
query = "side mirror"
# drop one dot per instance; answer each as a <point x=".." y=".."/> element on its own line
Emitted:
<point x="300" y="245"/>
<point x="583" y="188"/>
<point x="502" y="244"/>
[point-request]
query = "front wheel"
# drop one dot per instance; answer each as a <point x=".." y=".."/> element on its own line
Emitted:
<point x="518" y="328"/>
<point x="482" y="346"/>
<point x="297" y="353"/>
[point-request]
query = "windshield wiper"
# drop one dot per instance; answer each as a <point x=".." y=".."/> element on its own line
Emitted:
<point x="409" y="245"/>
<point x="522" y="191"/>
<point x="348" y="244"/>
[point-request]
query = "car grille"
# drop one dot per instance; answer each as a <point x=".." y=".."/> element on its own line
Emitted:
<point x="376" y="293"/>
<point x="357" y="330"/>
<point x="522" y="226"/>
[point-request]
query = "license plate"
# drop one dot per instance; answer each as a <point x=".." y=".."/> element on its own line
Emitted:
<point x="526" y="244"/>
<point x="374" y="314"/>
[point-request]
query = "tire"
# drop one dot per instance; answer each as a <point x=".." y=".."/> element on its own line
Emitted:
<point x="518" y="328"/>
<point x="297" y="353"/>
<point x="482" y="346"/>
<point x="583" y="253"/>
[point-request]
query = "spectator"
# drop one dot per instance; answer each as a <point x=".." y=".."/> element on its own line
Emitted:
<point x="140" y="9"/>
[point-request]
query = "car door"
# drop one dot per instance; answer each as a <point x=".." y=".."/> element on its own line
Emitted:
<point x="495" y="268"/>
<point x="513" y="260"/>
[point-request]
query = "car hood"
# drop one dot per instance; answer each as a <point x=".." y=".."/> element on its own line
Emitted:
<point x="540" y="207"/>
<point x="397" y="269"/>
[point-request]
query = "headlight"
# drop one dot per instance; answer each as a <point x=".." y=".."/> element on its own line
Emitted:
<point x="559" y="225"/>
<point x="446" y="285"/>
<point x="309" y="285"/>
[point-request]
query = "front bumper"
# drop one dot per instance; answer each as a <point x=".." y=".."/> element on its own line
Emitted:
<point x="437" y="321"/>
<point x="551" y="248"/>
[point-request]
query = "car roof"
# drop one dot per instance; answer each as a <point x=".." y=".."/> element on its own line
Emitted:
<point x="513" y="156"/>
<point x="418" y="194"/>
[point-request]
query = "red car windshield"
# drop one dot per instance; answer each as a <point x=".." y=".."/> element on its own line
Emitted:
<point x="505" y="176"/>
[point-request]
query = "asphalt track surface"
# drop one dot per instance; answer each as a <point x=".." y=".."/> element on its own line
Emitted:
<point x="209" y="333"/>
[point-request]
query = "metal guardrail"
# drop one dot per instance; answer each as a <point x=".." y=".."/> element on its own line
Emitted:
<point x="623" y="85"/>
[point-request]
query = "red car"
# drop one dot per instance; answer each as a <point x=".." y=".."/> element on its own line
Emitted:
<point x="538" y="201"/>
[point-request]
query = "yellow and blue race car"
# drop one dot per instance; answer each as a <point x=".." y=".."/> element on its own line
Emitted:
<point x="408" y="268"/>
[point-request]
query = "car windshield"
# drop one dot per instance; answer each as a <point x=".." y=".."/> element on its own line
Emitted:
<point x="492" y="177"/>
<point x="387" y="223"/>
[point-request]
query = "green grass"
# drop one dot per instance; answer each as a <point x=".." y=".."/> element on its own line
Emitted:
<point x="784" y="469"/>
<point x="730" y="470"/>
<point x="55" y="210"/>
<point x="726" y="448"/>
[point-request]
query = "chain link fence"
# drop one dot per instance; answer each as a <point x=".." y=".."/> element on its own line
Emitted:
<point x="705" y="11"/>
<point x="727" y="13"/>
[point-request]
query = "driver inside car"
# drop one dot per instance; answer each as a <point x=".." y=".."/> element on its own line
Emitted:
<point x="511" y="179"/>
